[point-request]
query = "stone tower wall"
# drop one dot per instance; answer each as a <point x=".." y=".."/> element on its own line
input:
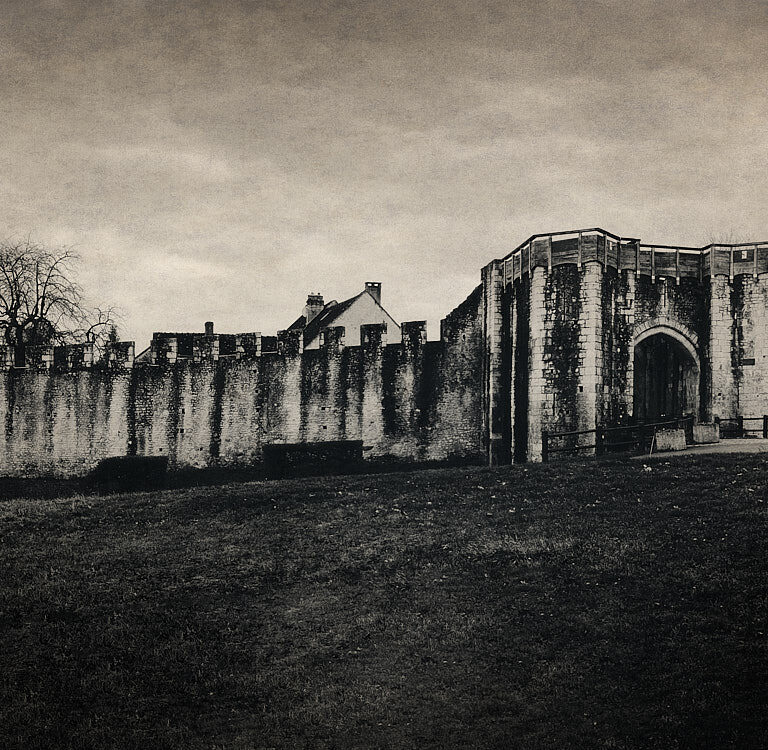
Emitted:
<point x="562" y="333"/>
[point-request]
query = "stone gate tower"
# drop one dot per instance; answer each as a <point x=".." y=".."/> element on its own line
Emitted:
<point x="585" y="328"/>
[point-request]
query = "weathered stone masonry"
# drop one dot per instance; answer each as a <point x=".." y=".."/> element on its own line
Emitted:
<point x="412" y="399"/>
<point x="605" y="331"/>
<point x="568" y="332"/>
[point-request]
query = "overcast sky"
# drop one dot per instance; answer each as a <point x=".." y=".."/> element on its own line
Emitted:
<point x="220" y="160"/>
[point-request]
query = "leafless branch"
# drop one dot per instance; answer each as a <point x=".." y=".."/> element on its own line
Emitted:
<point x="41" y="301"/>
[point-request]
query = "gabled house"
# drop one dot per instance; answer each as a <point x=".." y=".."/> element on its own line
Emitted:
<point x="359" y="310"/>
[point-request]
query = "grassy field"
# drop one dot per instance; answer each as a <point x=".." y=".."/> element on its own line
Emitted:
<point x="598" y="605"/>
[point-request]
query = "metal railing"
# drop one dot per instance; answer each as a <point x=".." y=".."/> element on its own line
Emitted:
<point x="639" y="437"/>
<point x="736" y="426"/>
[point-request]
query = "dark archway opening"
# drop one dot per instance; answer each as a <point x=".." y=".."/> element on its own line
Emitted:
<point x="666" y="381"/>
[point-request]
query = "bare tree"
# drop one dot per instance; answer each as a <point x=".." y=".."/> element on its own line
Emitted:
<point x="41" y="303"/>
<point x="100" y="326"/>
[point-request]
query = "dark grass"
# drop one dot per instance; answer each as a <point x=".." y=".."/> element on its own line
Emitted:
<point x="604" y="605"/>
<point x="52" y="487"/>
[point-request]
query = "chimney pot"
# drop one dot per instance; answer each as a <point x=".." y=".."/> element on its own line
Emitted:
<point x="209" y="328"/>
<point x="374" y="289"/>
<point x="313" y="307"/>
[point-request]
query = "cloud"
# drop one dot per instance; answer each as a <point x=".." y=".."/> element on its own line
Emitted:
<point x="221" y="159"/>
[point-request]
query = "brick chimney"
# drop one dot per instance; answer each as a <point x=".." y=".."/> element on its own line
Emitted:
<point x="313" y="307"/>
<point x="209" y="328"/>
<point x="374" y="289"/>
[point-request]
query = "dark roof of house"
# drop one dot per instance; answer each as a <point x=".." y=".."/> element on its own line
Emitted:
<point x="143" y="356"/>
<point x="326" y="316"/>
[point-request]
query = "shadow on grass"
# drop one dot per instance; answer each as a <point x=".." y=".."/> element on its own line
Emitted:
<point x="49" y="488"/>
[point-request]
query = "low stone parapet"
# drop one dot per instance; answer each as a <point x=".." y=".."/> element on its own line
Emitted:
<point x="706" y="432"/>
<point x="670" y="440"/>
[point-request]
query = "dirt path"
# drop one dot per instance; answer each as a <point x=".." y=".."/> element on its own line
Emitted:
<point x="731" y="445"/>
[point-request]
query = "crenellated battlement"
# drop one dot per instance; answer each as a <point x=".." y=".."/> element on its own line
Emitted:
<point x="119" y="354"/>
<point x="413" y="335"/>
<point x="332" y="338"/>
<point x="290" y="342"/>
<point x="71" y="357"/>
<point x="170" y="348"/>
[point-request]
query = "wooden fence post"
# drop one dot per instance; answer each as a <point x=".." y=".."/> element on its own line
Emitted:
<point x="740" y="425"/>
<point x="598" y="442"/>
<point x="544" y="446"/>
<point x="765" y="425"/>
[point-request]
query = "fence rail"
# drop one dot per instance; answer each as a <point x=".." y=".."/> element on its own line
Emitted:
<point x="611" y="439"/>
<point x="736" y="427"/>
<point x="641" y="436"/>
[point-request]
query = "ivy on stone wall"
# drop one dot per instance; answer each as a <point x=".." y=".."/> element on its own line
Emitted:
<point x="617" y="343"/>
<point x="737" y="333"/>
<point x="647" y="299"/>
<point x="313" y="382"/>
<point x="521" y="366"/>
<point x="390" y="364"/>
<point x="562" y="293"/>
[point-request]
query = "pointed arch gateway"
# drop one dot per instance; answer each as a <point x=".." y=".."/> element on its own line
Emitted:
<point x="667" y="370"/>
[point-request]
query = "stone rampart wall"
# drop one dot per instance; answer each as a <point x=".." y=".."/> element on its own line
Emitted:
<point x="410" y="400"/>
